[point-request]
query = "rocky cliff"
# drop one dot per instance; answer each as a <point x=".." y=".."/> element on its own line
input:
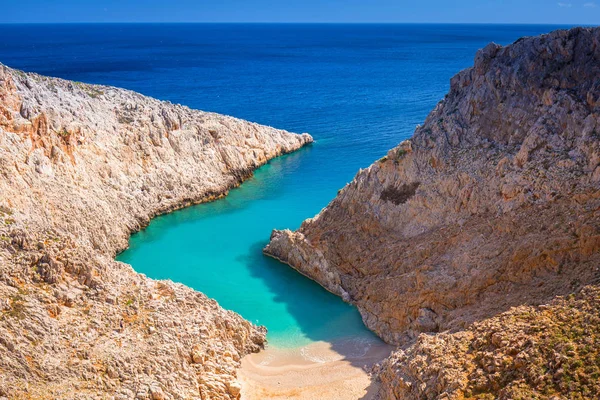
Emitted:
<point x="494" y="203"/>
<point x="82" y="166"/>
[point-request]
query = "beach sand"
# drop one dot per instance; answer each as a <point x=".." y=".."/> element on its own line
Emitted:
<point x="320" y="370"/>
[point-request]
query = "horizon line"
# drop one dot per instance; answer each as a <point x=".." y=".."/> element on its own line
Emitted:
<point x="291" y="23"/>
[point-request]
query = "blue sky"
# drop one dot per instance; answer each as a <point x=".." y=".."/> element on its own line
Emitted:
<point x="453" y="11"/>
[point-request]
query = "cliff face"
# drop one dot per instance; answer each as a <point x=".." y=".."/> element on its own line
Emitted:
<point x="493" y="203"/>
<point x="83" y="166"/>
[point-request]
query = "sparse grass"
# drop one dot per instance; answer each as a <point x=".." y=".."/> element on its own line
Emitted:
<point x="17" y="308"/>
<point x="93" y="92"/>
<point x="88" y="89"/>
<point x="5" y="210"/>
<point x="561" y="346"/>
<point x="64" y="134"/>
<point x="124" y="118"/>
<point x="396" y="156"/>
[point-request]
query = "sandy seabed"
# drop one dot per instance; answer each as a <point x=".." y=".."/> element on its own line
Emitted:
<point x="320" y="370"/>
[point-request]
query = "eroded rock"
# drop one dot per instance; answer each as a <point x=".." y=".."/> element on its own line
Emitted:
<point x="82" y="167"/>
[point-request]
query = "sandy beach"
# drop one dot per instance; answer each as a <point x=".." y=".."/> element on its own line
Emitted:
<point x="320" y="370"/>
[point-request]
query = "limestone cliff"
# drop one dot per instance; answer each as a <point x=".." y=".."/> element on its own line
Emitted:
<point x="82" y="166"/>
<point x="493" y="203"/>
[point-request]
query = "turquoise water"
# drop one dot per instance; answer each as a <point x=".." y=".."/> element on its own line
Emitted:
<point x="216" y="248"/>
<point x="358" y="89"/>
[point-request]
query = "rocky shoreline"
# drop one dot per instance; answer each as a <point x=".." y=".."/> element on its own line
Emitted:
<point x="455" y="240"/>
<point x="474" y="246"/>
<point x="83" y="166"/>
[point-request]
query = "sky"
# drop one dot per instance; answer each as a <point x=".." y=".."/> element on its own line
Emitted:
<point x="584" y="12"/>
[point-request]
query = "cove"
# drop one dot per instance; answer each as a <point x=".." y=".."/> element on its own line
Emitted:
<point x="216" y="248"/>
<point x="357" y="89"/>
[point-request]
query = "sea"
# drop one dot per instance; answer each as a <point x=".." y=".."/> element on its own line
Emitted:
<point x="358" y="89"/>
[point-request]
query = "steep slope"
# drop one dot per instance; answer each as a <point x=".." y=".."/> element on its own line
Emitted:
<point x="82" y="167"/>
<point x="494" y="202"/>
<point x="543" y="352"/>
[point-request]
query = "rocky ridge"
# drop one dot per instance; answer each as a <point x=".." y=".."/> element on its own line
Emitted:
<point x="83" y="166"/>
<point x="494" y="203"/>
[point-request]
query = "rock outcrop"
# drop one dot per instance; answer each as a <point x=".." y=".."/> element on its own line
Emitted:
<point x="545" y="352"/>
<point x="82" y="166"/>
<point x="494" y="203"/>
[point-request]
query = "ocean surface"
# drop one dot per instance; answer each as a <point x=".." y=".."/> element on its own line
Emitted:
<point x="358" y="89"/>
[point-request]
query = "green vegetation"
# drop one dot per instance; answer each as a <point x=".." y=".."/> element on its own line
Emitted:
<point x="5" y="210"/>
<point x="549" y="352"/>
<point x="93" y="92"/>
<point x="124" y="118"/>
<point x="397" y="155"/>
<point x="17" y="308"/>
<point x="90" y="90"/>
<point x="400" y="153"/>
<point x="64" y="133"/>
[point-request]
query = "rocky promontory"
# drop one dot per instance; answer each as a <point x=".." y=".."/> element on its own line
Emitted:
<point x="451" y="243"/>
<point x="82" y="167"/>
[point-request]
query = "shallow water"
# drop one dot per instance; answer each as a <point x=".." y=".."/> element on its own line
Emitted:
<point x="216" y="248"/>
<point x="358" y="89"/>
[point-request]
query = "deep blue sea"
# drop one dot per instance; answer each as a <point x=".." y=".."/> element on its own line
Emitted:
<point x="358" y="89"/>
